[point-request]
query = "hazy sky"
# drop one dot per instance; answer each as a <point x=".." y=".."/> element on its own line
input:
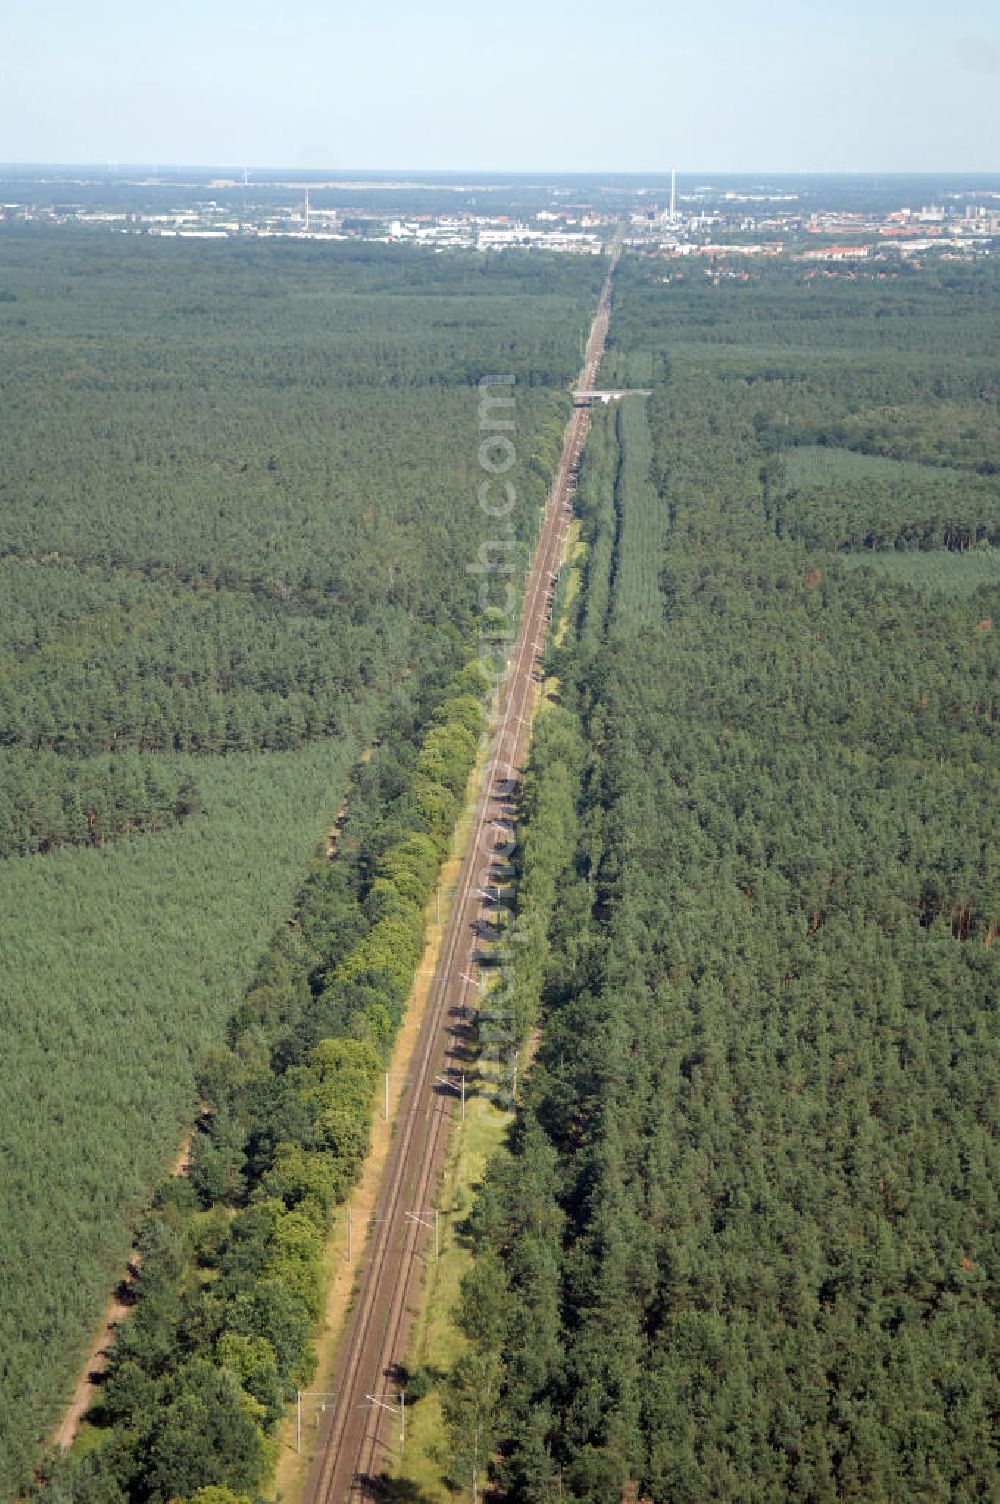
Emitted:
<point x="718" y="85"/>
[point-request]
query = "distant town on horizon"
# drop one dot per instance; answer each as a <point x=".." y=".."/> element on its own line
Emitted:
<point x="874" y="218"/>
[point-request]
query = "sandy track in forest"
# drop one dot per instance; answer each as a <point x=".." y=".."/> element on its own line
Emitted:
<point x="115" y="1313"/>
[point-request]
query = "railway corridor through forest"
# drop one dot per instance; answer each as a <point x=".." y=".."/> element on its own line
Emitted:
<point x="360" y="1427"/>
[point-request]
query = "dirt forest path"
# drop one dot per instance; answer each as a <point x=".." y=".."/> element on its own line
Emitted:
<point x="115" y="1313"/>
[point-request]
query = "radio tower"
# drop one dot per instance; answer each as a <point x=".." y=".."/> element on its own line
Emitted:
<point x="673" y="191"/>
<point x="306" y="215"/>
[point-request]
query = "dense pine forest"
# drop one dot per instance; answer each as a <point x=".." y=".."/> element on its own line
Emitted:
<point x="744" y="1246"/>
<point x="237" y="505"/>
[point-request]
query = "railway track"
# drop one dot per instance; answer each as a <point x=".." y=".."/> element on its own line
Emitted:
<point x="361" y="1427"/>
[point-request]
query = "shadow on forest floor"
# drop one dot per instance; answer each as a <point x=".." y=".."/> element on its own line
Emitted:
<point x="396" y="1491"/>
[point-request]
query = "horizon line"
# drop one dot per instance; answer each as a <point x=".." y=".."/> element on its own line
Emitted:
<point x="115" y="168"/>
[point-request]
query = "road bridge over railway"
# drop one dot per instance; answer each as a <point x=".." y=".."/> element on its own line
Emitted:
<point x="588" y="398"/>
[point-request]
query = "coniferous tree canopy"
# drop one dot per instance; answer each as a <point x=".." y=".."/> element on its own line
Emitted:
<point x="748" y="1224"/>
<point x="237" y="509"/>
